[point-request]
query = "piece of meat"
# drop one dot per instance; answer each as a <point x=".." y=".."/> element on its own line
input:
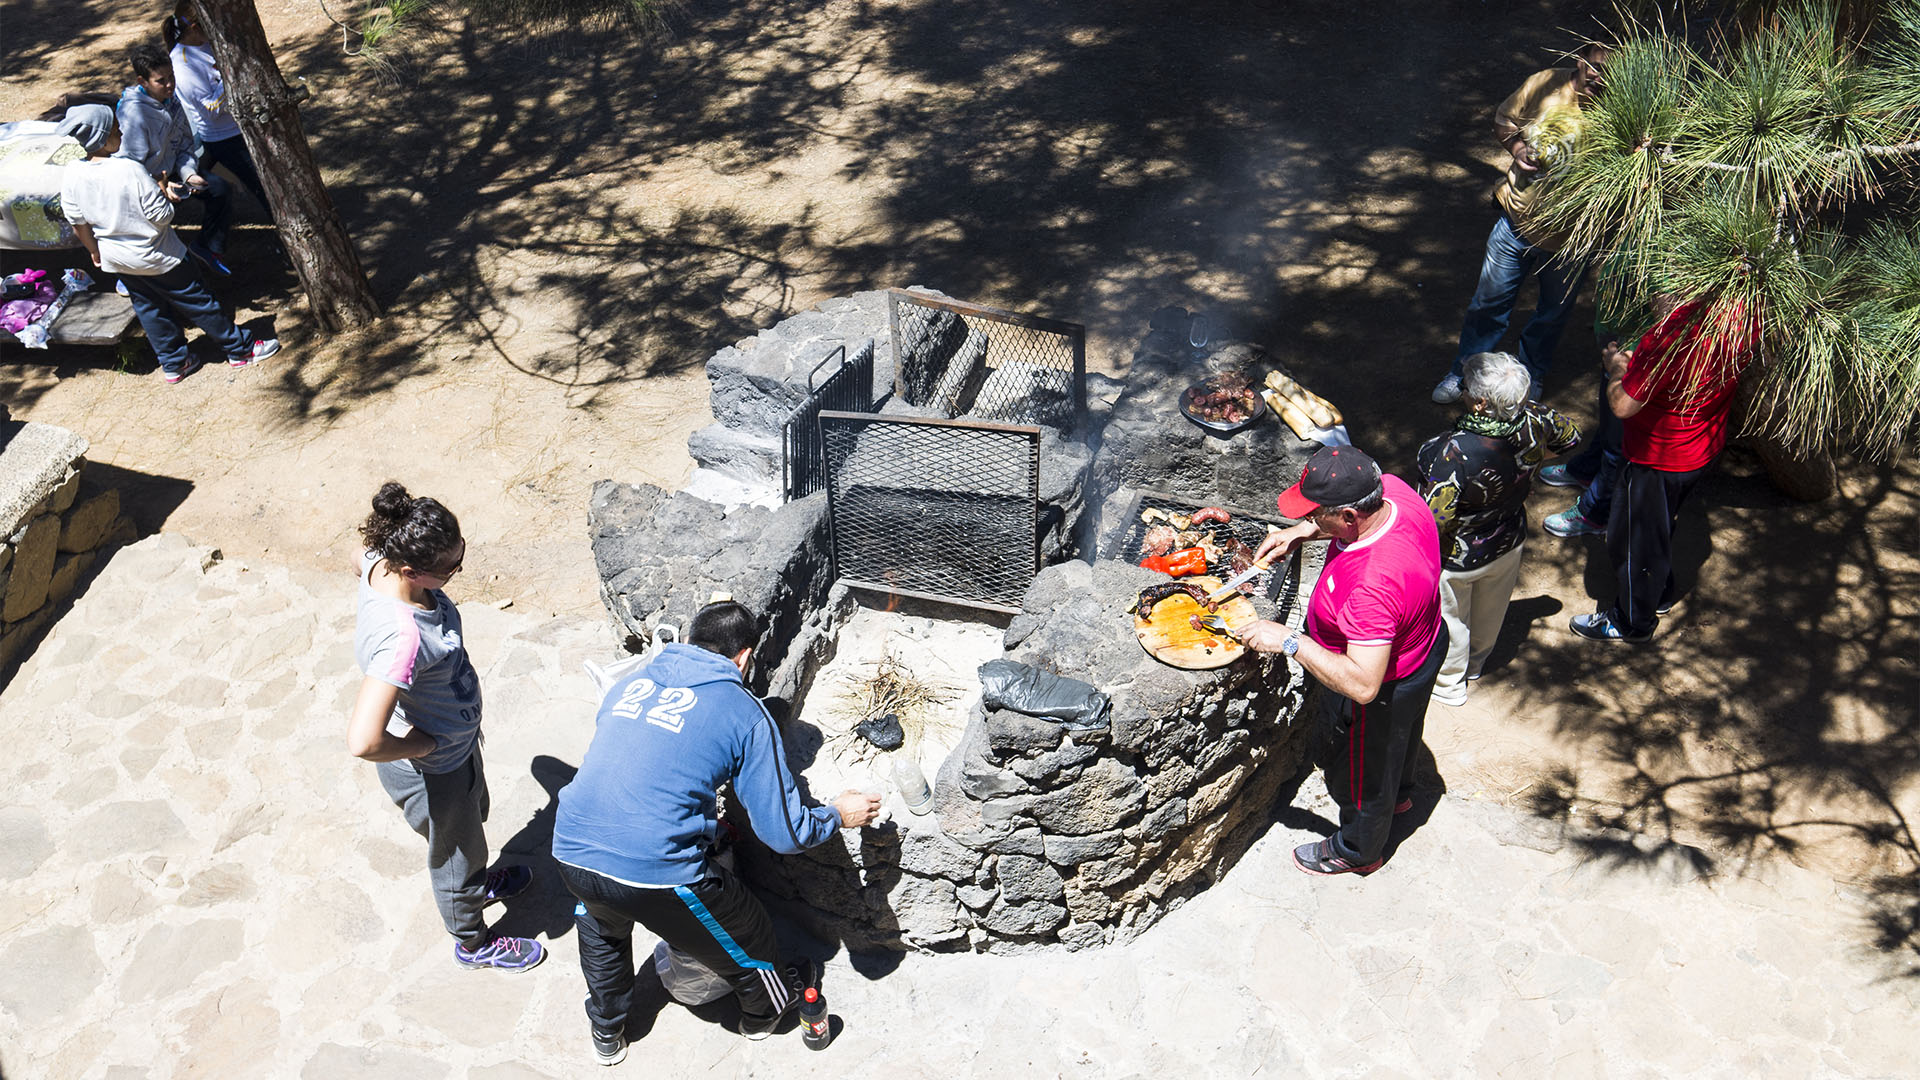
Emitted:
<point x="1211" y="513"/>
<point x="1153" y="594"/>
<point x="1158" y="540"/>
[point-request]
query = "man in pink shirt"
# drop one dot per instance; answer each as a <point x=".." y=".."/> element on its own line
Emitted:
<point x="1374" y="641"/>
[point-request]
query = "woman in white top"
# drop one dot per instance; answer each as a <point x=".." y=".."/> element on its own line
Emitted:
<point x="203" y="95"/>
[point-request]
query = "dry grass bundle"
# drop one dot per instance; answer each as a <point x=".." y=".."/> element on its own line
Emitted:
<point x="892" y="688"/>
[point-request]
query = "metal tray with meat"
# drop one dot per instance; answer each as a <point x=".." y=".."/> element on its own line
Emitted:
<point x="1223" y="403"/>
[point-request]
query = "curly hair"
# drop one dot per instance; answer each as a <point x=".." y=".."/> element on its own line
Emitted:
<point x="406" y="531"/>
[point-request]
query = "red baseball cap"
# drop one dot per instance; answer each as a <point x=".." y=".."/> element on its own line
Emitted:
<point x="1335" y="476"/>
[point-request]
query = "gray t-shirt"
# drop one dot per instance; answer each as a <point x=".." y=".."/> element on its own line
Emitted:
<point x="423" y="654"/>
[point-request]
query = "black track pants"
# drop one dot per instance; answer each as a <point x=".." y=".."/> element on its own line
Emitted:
<point x="717" y="921"/>
<point x="1372" y="753"/>
<point x="1640" y="542"/>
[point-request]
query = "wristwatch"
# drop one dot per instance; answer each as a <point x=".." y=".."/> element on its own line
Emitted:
<point x="1291" y="645"/>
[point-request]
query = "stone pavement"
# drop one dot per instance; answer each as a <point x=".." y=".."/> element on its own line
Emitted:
<point x="197" y="881"/>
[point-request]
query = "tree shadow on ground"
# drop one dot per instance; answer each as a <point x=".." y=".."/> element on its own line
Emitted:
<point x="1775" y="712"/>
<point x="1070" y="158"/>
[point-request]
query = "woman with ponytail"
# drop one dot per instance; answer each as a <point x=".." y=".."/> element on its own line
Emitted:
<point x="203" y="95"/>
<point x="418" y="716"/>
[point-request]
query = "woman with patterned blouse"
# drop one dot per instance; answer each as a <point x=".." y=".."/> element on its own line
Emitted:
<point x="1476" y="478"/>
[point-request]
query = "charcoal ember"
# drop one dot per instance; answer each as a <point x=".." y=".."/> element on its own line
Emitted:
<point x="883" y="732"/>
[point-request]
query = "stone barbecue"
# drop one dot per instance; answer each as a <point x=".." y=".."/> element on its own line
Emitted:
<point x="1039" y="833"/>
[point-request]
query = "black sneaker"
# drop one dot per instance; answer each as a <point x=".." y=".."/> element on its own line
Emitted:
<point x="609" y="1049"/>
<point x="1320" y="858"/>
<point x="799" y="976"/>
<point x="513" y="954"/>
<point x="1598" y="627"/>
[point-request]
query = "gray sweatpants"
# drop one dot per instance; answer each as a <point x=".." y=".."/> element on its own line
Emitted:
<point x="448" y="809"/>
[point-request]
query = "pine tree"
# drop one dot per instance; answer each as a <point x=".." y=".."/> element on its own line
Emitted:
<point x="1772" y="167"/>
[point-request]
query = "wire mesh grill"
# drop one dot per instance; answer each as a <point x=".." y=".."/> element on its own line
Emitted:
<point x="965" y="359"/>
<point x="848" y="389"/>
<point x="1249" y="530"/>
<point x="940" y="509"/>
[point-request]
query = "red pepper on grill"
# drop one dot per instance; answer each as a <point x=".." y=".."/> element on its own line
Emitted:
<point x="1181" y="563"/>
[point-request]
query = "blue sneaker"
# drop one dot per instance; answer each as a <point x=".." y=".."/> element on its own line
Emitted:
<point x="1571" y="522"/>
<point x="507" y="882"/>
<point x="1558" y="476"/>
<point x="505" y="953"/>
<point x="1447" y="391"/>
<point x="1598" y="627"/>
<point x="211" y="259"/>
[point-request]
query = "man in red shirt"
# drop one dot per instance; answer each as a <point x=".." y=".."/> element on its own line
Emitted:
<point x="1674" y="392"/>
<point x="1374" y="641"/>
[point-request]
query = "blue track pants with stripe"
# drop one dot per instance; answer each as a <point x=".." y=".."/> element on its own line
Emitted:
<point x="717" y="921"/>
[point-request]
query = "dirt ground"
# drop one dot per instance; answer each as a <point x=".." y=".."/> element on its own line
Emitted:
<point x="565" y="228"/>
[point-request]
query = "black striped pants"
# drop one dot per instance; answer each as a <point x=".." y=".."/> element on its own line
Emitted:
<point x="716" y="921"/>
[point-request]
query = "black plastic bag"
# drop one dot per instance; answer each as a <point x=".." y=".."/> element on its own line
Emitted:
<point x="1009" y="685"/>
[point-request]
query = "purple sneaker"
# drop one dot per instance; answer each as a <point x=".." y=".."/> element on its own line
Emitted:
<point x="507" y="882"/>
<point x="504" y="953"/>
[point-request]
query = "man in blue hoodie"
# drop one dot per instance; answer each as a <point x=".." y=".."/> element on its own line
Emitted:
<point x="634" y="828"/>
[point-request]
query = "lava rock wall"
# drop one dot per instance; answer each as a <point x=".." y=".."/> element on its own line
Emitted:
<point x="1046" y="836"/>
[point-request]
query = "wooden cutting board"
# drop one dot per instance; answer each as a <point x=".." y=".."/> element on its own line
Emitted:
<point x="1169" y="638"/>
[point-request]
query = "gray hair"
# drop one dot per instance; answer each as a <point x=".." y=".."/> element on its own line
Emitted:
<point x="1497" y="381"/>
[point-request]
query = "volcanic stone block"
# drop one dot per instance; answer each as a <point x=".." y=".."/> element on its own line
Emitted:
<point x="1102" y="797"/>
<point x="975" y="897"/>
<point x="88" y="524"/>
<point x="34" y="463"/>
<point x="948" y="397"/>
<point x="1023" y="877"/>
<point x="1025" y="920"/>
<point x="929" y="339"/>
<point x="1077" y="936"/>
<point x="749" y="455"/>
<point x="63" y="495"/>
<point x="1010" y="732"/>
<point x="1074" y="850"/>
<point x="756" y="384"/>
<point x="34" y="549"/>
<point x="1046" y="769"/>
<point x="981" y="780"/>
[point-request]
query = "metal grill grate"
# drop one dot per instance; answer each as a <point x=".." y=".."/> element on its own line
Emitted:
<point x="1248" y="529"/>
<point x="972" y="360"/>
<point x="848" y="389"/>
<point x="939" y="509"/>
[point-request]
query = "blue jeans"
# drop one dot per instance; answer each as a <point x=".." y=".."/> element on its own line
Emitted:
<point x="1600" y="461"/>
<point x="1509" y="262"/>
<point x="162" y="302"/>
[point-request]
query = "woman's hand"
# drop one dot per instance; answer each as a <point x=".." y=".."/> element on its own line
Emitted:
<point x="367" y="734"/>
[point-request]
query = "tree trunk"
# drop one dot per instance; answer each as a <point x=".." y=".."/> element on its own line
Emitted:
<point x="1807" y="479"/>
<point x="269" y="116"/>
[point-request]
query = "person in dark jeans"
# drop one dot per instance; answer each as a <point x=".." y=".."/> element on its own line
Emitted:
<point x="636" y="826"/>
<point x="1518" y="248"/>
<point x="1674" y="393"/>
<point x="123" y="218"/>
<point x="1596" y="468"/>
<point x="1374" y="641"/>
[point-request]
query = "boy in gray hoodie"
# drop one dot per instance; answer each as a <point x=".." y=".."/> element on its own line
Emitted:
<point x="154" y="132"/>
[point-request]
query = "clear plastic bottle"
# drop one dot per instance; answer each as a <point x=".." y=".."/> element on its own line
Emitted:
<point x="815" y="1031"/>
<point x="912" y="783"/>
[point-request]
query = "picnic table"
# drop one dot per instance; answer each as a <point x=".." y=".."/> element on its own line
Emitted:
<point x="91" y="318"/>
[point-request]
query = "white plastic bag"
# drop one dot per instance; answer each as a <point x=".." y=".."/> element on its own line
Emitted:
<point x="688" y="980"/>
